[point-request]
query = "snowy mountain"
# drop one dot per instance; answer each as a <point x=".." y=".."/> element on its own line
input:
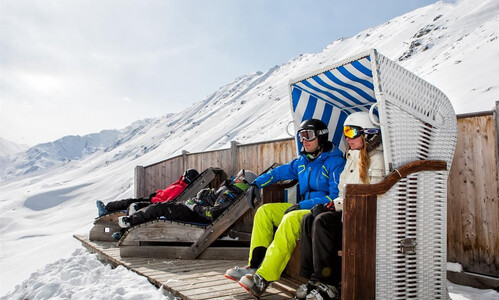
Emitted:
<point x="8" y="147"/>
<point x="64" y="150"/>
<point x="58" y="152"/>
<point x="453" y="46"/>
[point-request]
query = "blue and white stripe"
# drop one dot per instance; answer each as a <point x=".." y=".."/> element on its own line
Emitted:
<point x="332" y="95"/>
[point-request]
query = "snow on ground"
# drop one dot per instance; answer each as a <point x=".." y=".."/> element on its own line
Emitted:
<point x="459" y="292"/>
<point x="81" y="277"/>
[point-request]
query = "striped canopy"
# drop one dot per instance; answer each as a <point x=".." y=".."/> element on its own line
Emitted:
<point x="332" y="94"/>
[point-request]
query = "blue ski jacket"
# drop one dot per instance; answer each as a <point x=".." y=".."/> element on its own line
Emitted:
<point x="318" y="179"/>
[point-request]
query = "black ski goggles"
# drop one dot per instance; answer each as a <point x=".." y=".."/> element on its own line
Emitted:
<point x="307" y="135"/>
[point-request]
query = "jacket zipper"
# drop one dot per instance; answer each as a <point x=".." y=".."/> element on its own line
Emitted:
<point x="309" y="187"/>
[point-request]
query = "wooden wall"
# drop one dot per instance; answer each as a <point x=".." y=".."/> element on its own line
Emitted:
<point x="473" y="201"/>
<point x="255" y="157"/>
<point x="162" y="175"/>
<point x="258" y="157"/>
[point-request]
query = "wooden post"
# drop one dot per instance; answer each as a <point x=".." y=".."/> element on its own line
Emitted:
<point x="473" y="191"/>
<point x="496" y="117"/>
<point x="184" y="160"/>
<point x="234" y="157"/>
<point x="359" y="248"/>
<point x="139" y="179"/>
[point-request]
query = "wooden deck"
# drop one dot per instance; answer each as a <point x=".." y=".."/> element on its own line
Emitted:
<point x="187" y="279"/>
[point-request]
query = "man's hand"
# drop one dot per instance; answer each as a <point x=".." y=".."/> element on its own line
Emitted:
<point x="292" y="207"/>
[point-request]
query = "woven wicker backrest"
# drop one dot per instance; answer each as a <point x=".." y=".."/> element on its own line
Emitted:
<point x="418" y="121"/>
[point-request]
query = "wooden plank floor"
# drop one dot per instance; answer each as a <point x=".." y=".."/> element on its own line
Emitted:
<point x="187" y="279"/>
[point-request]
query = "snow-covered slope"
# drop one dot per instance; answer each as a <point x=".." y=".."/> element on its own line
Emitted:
<point x="7" y="147"/>
<point x="453" y="46"/>
<point x="82" y="277"/>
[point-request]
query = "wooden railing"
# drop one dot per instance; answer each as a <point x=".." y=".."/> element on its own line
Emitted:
<point x="255" y="157"/>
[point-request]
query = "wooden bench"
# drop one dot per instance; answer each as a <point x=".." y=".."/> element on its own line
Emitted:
<point x="106" y="225"/>
<point x="228" y="236"/>
<point x="172" y="239"/>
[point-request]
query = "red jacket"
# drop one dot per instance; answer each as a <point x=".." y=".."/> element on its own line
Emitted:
<point x="170" y="192"/>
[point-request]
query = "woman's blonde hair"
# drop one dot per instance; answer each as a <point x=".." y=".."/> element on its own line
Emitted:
<point x="365" y="158"/>
<point x="364" y="161"/>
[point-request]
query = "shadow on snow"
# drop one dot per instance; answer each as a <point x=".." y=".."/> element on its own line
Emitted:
<point x="50" y="199"/>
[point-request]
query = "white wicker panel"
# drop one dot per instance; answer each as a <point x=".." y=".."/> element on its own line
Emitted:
<point x="421" y="120"/>
<point x="414" y="208"/>
<point x="403" y="136"/>
<point x="385" y="249"/>
<point x="390" y="229"/>
<point x="432" y="234"/>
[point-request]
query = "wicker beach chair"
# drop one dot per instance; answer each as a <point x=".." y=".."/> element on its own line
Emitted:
<point x="405" y="256"/>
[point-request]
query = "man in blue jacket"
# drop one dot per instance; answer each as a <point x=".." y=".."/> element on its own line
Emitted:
<point x="318" y="171"/>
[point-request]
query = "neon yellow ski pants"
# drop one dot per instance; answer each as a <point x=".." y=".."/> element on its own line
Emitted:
<point x="280" y="245"/>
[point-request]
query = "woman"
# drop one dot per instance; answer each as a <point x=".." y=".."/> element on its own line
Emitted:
<point x="321" y="234"/>
<point x="317" y="170"/>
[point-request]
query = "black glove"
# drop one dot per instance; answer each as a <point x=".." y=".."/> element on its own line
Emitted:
<point x="293" y="207"/>
<point x="253" y="196"/>
<point x="319" y="209"/>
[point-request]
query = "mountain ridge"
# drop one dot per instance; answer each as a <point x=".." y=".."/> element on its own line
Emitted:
<point x="8" y="147"/>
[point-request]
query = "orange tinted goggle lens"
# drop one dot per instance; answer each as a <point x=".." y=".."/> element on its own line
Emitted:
<point x="352" y="131"/>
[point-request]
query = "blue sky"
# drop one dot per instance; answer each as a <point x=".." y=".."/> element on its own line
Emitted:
<point x="78" y="67"/>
